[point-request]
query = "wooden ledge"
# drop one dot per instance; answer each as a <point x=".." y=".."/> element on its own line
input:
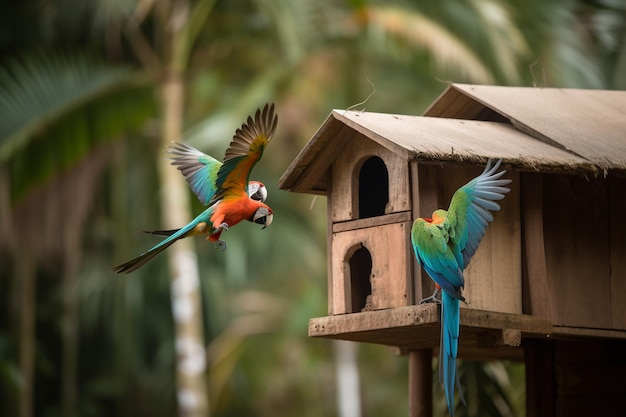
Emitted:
<point x="484" y="334"/>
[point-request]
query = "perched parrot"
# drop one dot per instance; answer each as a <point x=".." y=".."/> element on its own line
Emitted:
<point x="230" y="199"/>
<point x="443" y="246"/>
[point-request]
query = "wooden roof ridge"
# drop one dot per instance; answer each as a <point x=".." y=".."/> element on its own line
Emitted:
<point x="590" y="124"/>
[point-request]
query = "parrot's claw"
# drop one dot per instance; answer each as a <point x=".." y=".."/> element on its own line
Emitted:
<point x="221" y="245"/>
<point x="223" y="227"/>
<point x="433" y="298"/>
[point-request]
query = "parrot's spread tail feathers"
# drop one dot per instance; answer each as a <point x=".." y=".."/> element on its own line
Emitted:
<point x="450" y="324"/>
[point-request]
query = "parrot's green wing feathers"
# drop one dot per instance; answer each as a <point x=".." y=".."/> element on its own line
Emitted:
<point x="200" y="170"/>
<point x="431" y="247"/>
<point x="469" y="212"/>
<point x="244" y="151"/>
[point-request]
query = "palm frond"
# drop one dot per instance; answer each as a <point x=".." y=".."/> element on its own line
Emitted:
<point x="55" y="107"/>
<point x="38" y="88"/>
<point x="419" y="31"/>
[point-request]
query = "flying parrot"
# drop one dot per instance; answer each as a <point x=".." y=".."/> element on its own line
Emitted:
<point x="443" y="246"/>
<point x="227" y="192"/>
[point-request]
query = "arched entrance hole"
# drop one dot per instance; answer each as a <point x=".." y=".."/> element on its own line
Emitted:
<point x="359" y="268"/>
<point x="373" y="188"/>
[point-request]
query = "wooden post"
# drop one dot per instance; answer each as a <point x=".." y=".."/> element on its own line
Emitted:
<point x="420" y="383"/>
<point x="539" y="359"/>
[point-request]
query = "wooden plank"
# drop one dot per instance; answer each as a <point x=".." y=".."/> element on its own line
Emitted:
<point x="336" y="288"/>
<point x="500" y="338"/>
<point x="466" y="141"/>
<point x="388" y="246"/>
<point x="345" y="178"/>
<point x="574" y="378"/>
<point x="590" y="123"/>
<point x="425" y="201"/>
<point x="371" y="222"/>
<point x="540" y="378"/>
<point x="338" y="137"/>
<point x="590" y="367"/>
<point x="420" y="383"/>
<point x="493" y="277"/>
<point x="427" y="138"/>
<point x="316" y="156"/>
<point x="537" y="289"/>
<point x="590" y="377"/>
<point x="617" y="230"/>
<point x="417" y="327"/>
<point x="601" y="405"/>
<point x="454" y="103"/>
<point x="577" y="250"/>
<point x="361" y="122"/>
<point x="586" y="332"/>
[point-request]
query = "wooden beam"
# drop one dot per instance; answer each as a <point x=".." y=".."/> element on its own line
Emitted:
<point x="536" y="288"/>
<point x="418" y="327"/>
<point x="617" y="235"/>
<point x="540" y="378"/>
<point x="372" y="221"/>
<point x="420" y="383"/>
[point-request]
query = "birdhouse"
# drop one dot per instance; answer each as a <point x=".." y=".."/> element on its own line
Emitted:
<point x="552" y="265"/>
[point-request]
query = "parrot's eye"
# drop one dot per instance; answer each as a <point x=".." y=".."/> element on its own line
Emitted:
<point x="263" y="216"/>
<point x="260" y="195"/>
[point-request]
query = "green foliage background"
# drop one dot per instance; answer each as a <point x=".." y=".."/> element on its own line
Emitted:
<point x="78" y="180"/>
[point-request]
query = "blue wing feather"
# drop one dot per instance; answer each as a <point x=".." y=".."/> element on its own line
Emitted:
<point x="470" y="209"/>
<point x="199" y="169"/>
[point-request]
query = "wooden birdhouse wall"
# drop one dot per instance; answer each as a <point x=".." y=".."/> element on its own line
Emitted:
<point x="575" y="246"/>
<point x="493" y="278"/>
<point x="369" y="209"/>
<point x="360" y="283"/>
<point x="368" y="180"/>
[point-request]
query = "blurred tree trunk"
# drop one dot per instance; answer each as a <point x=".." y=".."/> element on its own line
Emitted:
<point x="348" y="379"/>
<point x="69" y="360"/>
<point x="185" y="289"/>
<point x="25" y="277"/>
<point x="186" y="301"/>
<point x="24" y="292"/>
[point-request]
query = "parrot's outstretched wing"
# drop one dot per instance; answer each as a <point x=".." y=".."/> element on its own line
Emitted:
<point x="199" y="169"/>
<point x="244" y="151"/>
<point x="469" y="212"/>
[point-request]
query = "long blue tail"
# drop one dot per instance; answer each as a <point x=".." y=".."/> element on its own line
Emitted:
<point x="141" y="260"/>
<point x="450" y="323"/>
